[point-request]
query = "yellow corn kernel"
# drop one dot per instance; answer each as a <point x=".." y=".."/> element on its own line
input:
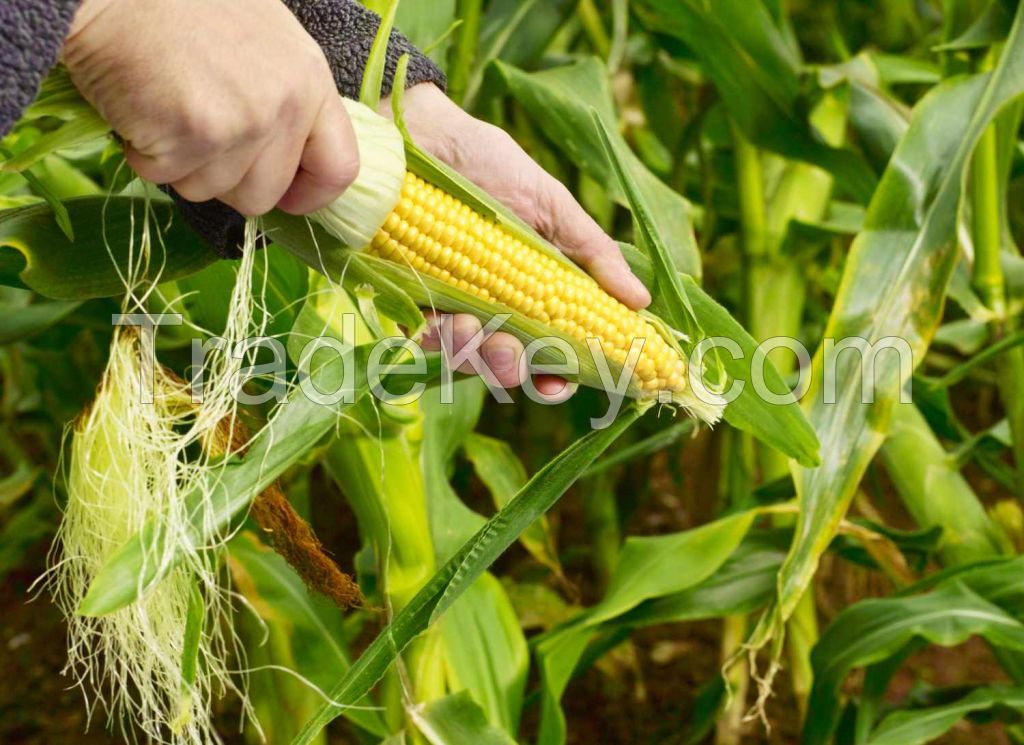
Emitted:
<point x="440" y="236"/>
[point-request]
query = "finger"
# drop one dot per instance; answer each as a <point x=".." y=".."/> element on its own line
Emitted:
<point x="204" y="139"/>
<point x="432" y="330"/>
<point x="502" y="352"/>
<point x="458" y="332"/>
<point x="218" y="176"/>
<point x="554" y="390"/>
<point x="449" y="334"/>
<point x="166" y="168"/>
<point x="268" y="178"/>
<point x="565" y="223"/>
<point x="329" y="162"/>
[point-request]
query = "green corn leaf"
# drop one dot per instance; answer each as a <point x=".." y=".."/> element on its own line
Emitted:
<point x="457" y="720"/>
<point x="36" y="253"/>
<point x="86" y="126"/>
<point x="783" y="426"/>
<point x="498" y="466"/>
<point x="486" y="653"/>
<point x="21" y="323"/>
<point x="517" y="32"/>
<point x="561" y="100"/>
<point x="756" y="74"/>
<point x="648" y="446"/>
<point x="893" y="285"/>
<point x="991" y="27"/>
<point x="13" y="486"/>
<point x="671" y="294"/>
<point x="903" y="69"/>
<point x="373" y="74"/>
<point x="445" y="427"/>
<point x="557" y="657"/>
<point x="423" y="24"/>
<point x="312" y="625"/>
<point x="744" y="583"/>
<point x="195" y="620"/>
<point x="919" y="726"/>
<point x="538" y="496"/>
<point x="42" y="188"/>
<point x="873" y="630"/>
<point x="484" y="647"/>
<point x="682" y="303"/>
<point x="649" y="568"/>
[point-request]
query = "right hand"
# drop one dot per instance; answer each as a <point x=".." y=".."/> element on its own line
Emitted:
<point x="491" y="159"/>
<point x="221" y="99"/>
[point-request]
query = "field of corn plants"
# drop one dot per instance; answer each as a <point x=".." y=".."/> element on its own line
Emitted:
<point x="837" y="560"/>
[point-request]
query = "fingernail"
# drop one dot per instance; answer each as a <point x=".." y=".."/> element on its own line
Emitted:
<point x="642" y="293"/>
<point x="500" y="359"/>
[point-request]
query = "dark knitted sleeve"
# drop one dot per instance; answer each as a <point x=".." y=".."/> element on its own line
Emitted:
<point x="31" y="36"/>
<point x="345" y="31"/>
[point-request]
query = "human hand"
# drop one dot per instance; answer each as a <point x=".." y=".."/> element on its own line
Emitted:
<point x="489" y="157"/>
<point x="221" y="99"/>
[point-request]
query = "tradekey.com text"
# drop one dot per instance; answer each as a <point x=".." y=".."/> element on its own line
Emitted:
<point x="330" y="372"/>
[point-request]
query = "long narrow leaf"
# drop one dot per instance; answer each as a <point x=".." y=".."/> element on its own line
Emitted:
<point x="873" y="630"/>
<point x="538" y="496"/>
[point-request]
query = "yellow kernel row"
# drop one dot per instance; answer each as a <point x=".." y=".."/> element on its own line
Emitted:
<point x="442" y="237"/>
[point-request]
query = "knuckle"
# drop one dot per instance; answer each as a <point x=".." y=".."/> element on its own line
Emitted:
<point x="259" y="121"/>
<point x="205" y="131"/>
<point x="154" y="170"/>
<point x="252" y="205"/>
<point x="309" y="74"/>
<point x="464" y="328"/>
<point x="348" y="170"/>
<point x="194" y="190"/>
<point x="341" y="175"/>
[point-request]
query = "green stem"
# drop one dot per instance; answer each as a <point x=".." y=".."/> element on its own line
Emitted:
<point x="753" y="227"/>
<point x="1011" y="379"/>
<point x="934" y="492"/>
<point x="987" y="227"/>
<point x="989" y="280"/>
<point x="775" y="290"/>
<point x="601" y="515"/>
<point x="750" y="187"/>
<point x="729" y="728"/>
<point x="801" y="636"/>
<point x="590" y="18"/>
<point x="466" y="41"/>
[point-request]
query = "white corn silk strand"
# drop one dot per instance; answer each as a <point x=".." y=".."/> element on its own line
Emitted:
<point x="132" y="463"/>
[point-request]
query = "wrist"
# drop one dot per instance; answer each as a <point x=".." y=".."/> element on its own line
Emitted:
<point x="435" y="122"/>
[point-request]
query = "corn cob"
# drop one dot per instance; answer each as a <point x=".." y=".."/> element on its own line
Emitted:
<point x="438" y="235"/>
<point x="407" y="221"/>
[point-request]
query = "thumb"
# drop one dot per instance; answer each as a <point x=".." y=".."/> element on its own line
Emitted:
<point x="560" y="218"/>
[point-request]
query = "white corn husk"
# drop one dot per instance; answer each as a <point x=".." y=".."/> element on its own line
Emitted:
<point x="356" y="216"/>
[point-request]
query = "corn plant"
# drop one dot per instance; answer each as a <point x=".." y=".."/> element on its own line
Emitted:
<point x="772" y="543"/>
